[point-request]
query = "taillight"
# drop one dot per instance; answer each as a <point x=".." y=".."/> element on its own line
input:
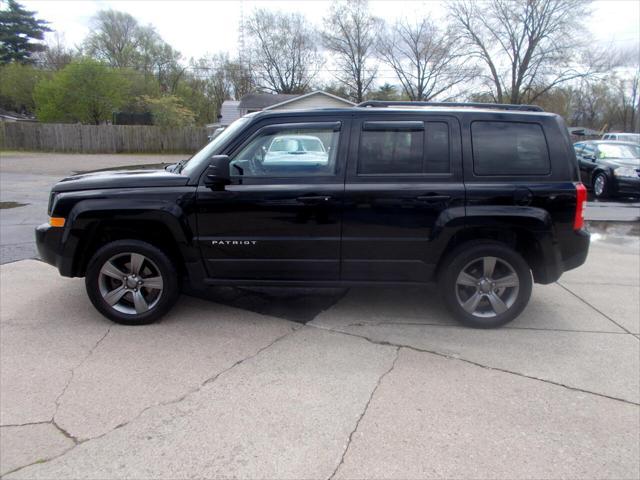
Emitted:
<point x="581" y="200"/>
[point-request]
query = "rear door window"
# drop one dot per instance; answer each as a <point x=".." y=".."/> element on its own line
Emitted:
<point x="404" y="148"/>
<point x="509" y="148"/>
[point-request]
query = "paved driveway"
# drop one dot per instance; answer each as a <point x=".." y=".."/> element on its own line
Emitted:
<point x="379" y="384"/>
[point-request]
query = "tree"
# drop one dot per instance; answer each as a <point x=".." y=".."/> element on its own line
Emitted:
<point x="207" y="87"/>
<point x="56" y="55"/>
<point x="283" y="51"/>
<point x="350" y="33"/>
<point x="527" y="46"/>
<point x="18" y="30"/>
<point x="168" y="111"/>
<point x="85" y="91"/>
<point x="385" y="92"/>
<point x="119" y="40"/>
<point x="17" y="83"/>
<point x="427" y="60"/>
<point x="240" y="78"/>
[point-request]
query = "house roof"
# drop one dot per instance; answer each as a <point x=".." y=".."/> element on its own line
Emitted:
<point x="260" y="101"/>
<point x="300" y="97"/>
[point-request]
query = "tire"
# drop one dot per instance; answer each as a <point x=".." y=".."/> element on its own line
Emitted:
<point x="137" y="262"/>
<point x="604" y="191"/>
<point x="478" y="294"/>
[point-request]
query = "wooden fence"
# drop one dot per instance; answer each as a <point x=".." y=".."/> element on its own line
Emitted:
<point x="55" y="137"/>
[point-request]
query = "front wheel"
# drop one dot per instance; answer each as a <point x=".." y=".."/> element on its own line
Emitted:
<point x="485" y="284"/>
<point x="601" y="186"/>
<point x="131" y="282"/>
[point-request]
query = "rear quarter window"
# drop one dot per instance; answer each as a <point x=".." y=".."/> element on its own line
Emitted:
<point x="509" y="148"/>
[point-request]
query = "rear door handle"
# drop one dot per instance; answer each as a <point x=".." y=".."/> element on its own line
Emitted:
<point x="310" y="199"/>
<point x="433" y="198"/>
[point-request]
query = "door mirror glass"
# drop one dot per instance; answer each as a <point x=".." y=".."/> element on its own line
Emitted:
<point x="217" y="174"/>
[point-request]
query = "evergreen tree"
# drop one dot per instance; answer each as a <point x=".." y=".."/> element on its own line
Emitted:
<point x="18" y="29"/>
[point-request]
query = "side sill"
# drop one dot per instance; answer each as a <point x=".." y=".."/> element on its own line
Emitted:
<point x="233" y="282"/>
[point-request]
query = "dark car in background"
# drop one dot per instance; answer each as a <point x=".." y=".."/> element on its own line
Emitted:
<point x="610" y="168"/>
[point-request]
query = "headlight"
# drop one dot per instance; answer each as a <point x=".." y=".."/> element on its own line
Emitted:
<point x="628" y="172"/>
<point x="52" y="201"/>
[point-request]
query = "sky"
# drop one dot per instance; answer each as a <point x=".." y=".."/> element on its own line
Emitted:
<point x="196" y="28"/>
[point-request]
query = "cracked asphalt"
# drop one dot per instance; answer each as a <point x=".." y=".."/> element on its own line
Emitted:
<point x="358" y="383"/>
<point x="378" y="384"/>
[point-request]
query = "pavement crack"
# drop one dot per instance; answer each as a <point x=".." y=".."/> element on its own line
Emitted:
<point x="506" y="328"/>
<point x="80" y="441"/>
<point x="477" y="364"/>
<point x="58" y="400"/>
<point x="596" y="309"/>
<point x="364" y="411"/>
<point x="196" y="389"/>
<point x="26" y="424"/>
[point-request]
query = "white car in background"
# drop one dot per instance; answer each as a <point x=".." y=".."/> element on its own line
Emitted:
<point x="298" y="149"/>
<point x="622" y="137"/>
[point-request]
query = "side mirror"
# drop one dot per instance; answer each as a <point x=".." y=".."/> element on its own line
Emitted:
<point x="217" y="174"/>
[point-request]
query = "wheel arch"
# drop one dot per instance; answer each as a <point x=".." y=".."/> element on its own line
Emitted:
<point x="531" y="235"/>
<point x="92" y="225"/>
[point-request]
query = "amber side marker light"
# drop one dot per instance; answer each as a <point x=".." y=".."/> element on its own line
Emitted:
<point x="56" y="222"/>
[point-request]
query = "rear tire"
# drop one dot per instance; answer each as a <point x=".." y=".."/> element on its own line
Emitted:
<point x="485" y="284"/>
<point x="132" y="282"/>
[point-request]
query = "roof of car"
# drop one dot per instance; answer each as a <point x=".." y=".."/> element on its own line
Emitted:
<point x="396" y="110"/>
<point x="614" y="142"/>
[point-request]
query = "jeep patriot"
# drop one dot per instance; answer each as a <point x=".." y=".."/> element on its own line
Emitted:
<point x="483" y="199"/>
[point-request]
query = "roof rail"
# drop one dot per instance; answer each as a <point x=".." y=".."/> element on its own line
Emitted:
<point x="498" y="106"/>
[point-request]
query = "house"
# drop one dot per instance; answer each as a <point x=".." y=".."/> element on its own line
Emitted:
<point x="255" y="102"/>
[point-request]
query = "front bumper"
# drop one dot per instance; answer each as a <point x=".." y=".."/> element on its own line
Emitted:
<point x="50" y="246"/>
<point x="628" y="185"/>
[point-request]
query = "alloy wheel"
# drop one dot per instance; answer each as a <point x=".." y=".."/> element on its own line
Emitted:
<point x="487" y="287"/>
<point x="599" y="185"/>
<point x="130" y="283"/>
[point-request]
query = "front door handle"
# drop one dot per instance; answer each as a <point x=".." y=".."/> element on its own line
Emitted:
<point x="314" y="199"/>
<point x="433" y="198"/>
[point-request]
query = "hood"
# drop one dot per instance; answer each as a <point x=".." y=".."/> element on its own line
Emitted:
<point x="121" y="178"/>
<point x="623" y="162"/>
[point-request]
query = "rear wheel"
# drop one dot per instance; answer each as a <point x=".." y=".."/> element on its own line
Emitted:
<point x="485" y="284"/>
<point x="131" y="282"/>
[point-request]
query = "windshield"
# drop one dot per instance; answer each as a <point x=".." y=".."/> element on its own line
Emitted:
<point x="611" y="150"/>
<point x="195" y="162"/>
<point x="629" y="137"/>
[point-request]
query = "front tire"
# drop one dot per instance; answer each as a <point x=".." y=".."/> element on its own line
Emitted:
<point x="485" y="284"/>
<point x="131" y="282"/>
<point x="601" y="186"/>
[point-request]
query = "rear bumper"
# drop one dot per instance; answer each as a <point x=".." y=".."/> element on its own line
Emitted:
<point x="579" y="251"/>
<point x="559" y="257"/>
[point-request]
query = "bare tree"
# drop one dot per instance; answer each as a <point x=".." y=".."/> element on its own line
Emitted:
<point x="527" y="46"/>
<point x="350" y="33"/>
<point x="283" y="51"/>
<point x="118" y="39"/>
<point x="425" y="58"/>
<point x="56" y="55"/>
<point x="240" y="79"/>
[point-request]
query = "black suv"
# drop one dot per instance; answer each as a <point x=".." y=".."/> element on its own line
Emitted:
<point x="485" y="199"/>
